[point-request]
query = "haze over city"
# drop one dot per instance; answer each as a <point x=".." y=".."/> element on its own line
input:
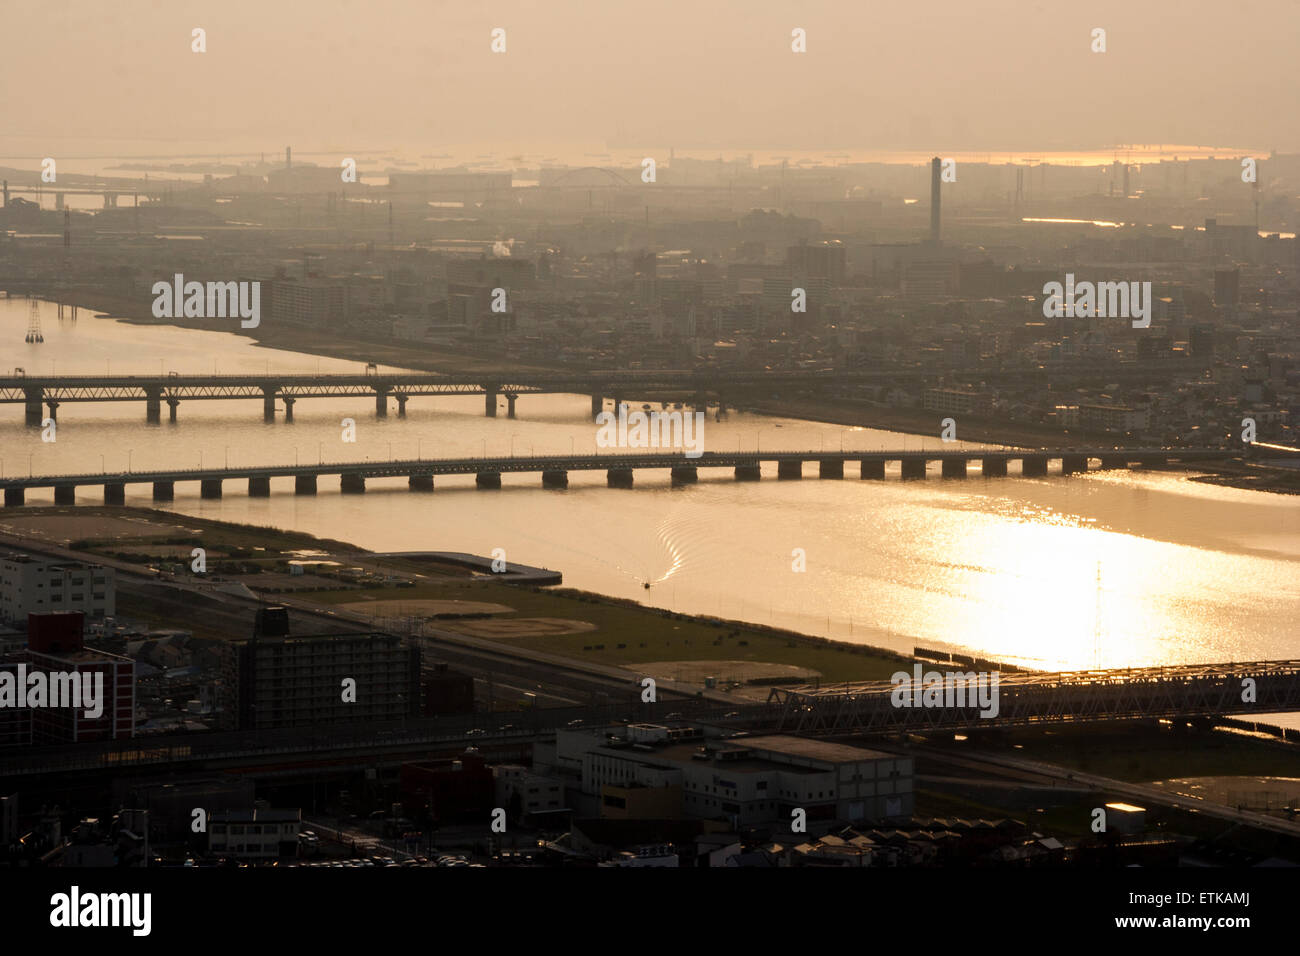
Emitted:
<point x="587" y="437"/>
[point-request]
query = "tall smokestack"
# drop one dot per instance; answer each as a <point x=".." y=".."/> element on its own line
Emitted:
<point x="934" y="199"/>
<point x="288" y="157"/>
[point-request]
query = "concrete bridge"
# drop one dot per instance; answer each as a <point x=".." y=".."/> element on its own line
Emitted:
<point x="619" y="469"/>
<point x="1031" y="698"/>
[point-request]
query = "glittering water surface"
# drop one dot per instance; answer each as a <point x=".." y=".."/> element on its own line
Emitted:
<point x="1007" y="568"/>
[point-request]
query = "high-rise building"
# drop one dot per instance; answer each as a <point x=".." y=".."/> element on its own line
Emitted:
<point x="276" y="680"/>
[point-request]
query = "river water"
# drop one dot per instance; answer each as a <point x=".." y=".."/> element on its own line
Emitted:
<point x="1111" y="568"/>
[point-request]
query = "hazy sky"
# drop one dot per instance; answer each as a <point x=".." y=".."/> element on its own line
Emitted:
<point x="946" y="75"/>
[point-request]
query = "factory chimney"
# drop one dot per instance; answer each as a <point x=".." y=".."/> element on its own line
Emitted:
<point x="288" y="157"/>
<point x="934" y="199"/>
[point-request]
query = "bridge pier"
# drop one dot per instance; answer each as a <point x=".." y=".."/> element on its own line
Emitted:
<point x="1073" y="463"/>
<point x="153" y="406"/>
<point x="420" y="482"/>
<point x="401" y="403"/>
<point x="749" y="473"/>
<point x="489" y="401"/>
<point x="350" y="484"/>
<point x="913" y="467"/>
<point x="304" y="485"/>
<point x="685" y="475"/>
<point x="14" y="497"/>
<point x="33" y="399"/>
<point x="1109" y="462"/>
<point x="597" y="405"/>
<point x="288" y="409"/>
<point x="789" y="470"/>
<point x="872" y="468"/>
<point x="555" y="479"/>
<point x="114" y="493"/>
<point x="54" y="410"/>
<point x="381" y="402"/>
<point x="830" y="468"/>
<point x="210" y="488"/>
<point x="510" y="404"/>
<point x="1033" y="466"/>
<point x="65" y="494"/>
<point x="953" y="467"/>
<point x="993" y="467"/>
<point x="619" y="478"/>
<point x="171" y="409"/>
<point x="164" y="491"/>
<point x="488" y="480"/>
<point x="259" y="487"/>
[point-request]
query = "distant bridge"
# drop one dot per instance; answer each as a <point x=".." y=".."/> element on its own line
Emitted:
<point x="619" y="469"/>
<point x="33" y="391"/>
<point x="1033" y="698"/>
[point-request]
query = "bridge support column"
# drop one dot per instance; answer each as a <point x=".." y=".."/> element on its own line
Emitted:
<point x="619" y="478"/>
<point x="164" y="491"/>
<point x="993" y="467"/>
<point x="381" y="403"/>
<point x="555" y="479"/>
<point x="401" y="404"/>
<point x="1113" y="461"/>
<point x="597" y="405"/>
<point x="510" y="405"/>
<point x="153" y="406"/>
<point x="288" y="409"/>
<point x="830" y="468"/>
<point x="210" y="488"/>
<point x="114" y="493"/>
<point x="65" y="494"/>
<point x="913" y="467"/>
<point x="352" y="484"/>
<point x="487" y="480"/>
<point x="954" y="467"/>
<point x="14" y="497"/>
<point x="749" y="473"/>
<point x="789" y="469"/>
<point x="171" y="409"/>
<point x="685" y="475"/>
<point x="872" y="468"/>
<point x="420" y="482"/>
<point x="33" y="399"/>
<point x="54" y="410"/>
<point x="1073" y="463"/>
<point x="1033" y="466"/>
<point x="259" y="487"/>
<point x="304" y="485"/>
<point x="489" y="401"/>
<point x="58" y="202"/>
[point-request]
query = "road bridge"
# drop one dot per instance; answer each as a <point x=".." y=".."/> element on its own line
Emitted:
<point x="620" y="469"/>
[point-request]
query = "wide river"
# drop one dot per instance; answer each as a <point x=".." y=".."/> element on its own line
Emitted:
<point x="1109" y="568"/>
